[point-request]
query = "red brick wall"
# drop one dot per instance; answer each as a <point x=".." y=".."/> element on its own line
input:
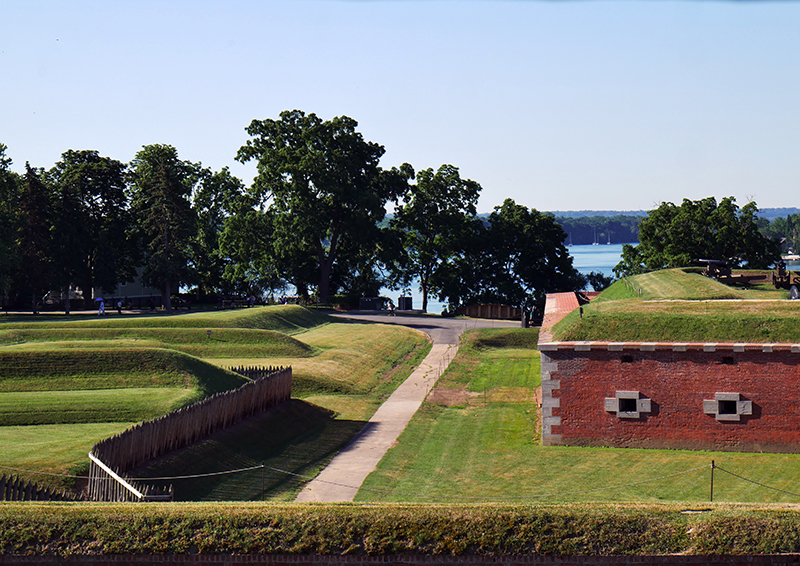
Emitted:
<point x="577" y="377"/>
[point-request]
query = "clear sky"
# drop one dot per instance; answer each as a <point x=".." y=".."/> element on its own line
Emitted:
<point x="560" y="105"/>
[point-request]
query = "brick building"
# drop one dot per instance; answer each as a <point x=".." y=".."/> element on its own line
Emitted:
<point x="723" y="396"/>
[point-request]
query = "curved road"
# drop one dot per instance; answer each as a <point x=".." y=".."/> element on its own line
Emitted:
<point x="342" y="478"/>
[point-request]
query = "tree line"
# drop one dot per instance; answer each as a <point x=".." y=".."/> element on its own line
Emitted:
<point x="679" y="235"/>
<point x="314" y="218"/>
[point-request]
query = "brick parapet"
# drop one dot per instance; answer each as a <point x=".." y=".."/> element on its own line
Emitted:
<point x="589" y="346"/>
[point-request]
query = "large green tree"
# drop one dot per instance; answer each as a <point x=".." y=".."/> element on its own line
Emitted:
<point x="323" y="182"/>
<point x="252" y="263"/>
<point x="435" y="220"/>
<point x="216" y="198"/>
<point x="34" y="236"/>
<point x="91" y="222"/>
<point x="675" y="236"/>
<point x="525" y="258"/>
<point x="162" y="186"/>
<point x="10" y="187"/>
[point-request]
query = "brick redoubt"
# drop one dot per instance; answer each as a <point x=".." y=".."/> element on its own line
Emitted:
<point x="578" y="377"/>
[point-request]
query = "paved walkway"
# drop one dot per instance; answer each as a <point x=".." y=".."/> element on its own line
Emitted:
<point x="342" y="478"/>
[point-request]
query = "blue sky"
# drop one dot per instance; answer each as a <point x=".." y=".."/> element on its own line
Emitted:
<point x="560" y="105"/>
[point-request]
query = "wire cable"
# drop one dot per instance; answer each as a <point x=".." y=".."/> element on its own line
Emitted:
<point x="755" y="482"/>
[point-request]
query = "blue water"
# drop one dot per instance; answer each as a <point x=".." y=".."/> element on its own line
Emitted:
<point x="602" y="258"/>
<point x="586" y="258"/>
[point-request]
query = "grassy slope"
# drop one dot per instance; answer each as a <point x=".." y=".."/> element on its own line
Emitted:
<point x="287" y="319"/>
<point x="357" y="368"/>
<point x="92" y="370"/>
<point x="352" y="370"/>
<point x="678" y="306"/>
<point x="222" y="342"/>
<point x="476" y="440"/>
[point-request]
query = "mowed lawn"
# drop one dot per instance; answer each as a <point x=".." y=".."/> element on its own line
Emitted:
<point x="476" y="439"/>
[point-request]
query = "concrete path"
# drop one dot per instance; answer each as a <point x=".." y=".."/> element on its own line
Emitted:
<point x="342" y="478"/>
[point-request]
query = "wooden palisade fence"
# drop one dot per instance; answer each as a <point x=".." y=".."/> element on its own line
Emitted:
<point x="16" y="489"/>
<point x="113" y="457"/>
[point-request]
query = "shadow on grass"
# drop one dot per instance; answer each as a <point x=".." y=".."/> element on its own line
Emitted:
<point x="297" y="437"/>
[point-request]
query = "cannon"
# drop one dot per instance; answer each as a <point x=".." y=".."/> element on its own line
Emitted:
<point x="782" y="278"/>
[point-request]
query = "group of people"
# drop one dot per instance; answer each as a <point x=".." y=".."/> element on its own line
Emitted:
<point x="101" y="306"/>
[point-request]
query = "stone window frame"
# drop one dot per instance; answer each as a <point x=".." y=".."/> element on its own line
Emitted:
<point x="643" y="405"/>
<point x="712" y="407"/>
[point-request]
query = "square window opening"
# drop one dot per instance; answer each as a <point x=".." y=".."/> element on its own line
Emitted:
<point x="627" y="405"/>
<point x="727" y="407"/>
<point x="728" y="361"/>
<point x="627" y="359"/>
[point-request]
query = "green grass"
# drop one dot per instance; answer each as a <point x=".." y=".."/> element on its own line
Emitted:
<point x="669" y="284"/>
<point x="52" y="449"/>
<point x="95" y="406"/>
<point x="131" y="368"/>
<point x="476" y="440"/>
<point x="683" y="307"/>
<point x="85" y="369"/>
<point x="221" y="343"/>
<point x="355" y="367"/>
<point x="287" y="319"/>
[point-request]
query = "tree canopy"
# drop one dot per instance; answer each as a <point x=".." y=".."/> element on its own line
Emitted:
<point x="675" y="236"/>
<point x="526" y="257"/>
<point x="92" y="248"/>
<point x="323" y="182"/>
<point x="162" y="184"/>
<point x="434" y="223"/>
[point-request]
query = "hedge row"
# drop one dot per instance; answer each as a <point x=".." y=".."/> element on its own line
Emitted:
<point x="66" y="529"/>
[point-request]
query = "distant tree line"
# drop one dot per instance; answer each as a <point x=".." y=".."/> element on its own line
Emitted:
<point x="314" y="218"/>
<point x="617" y="229"/>
<point x="784" y="230"/>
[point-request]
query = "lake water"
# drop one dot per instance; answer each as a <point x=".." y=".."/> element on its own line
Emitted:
<point x="586" y="258"/>
<point x="602" y="258"/>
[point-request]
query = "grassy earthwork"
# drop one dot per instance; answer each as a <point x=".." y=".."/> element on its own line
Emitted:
<point x="67" y="382"/>
<point x="676" y="306"/>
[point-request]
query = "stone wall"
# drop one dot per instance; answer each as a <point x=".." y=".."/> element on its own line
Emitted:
<point x="739" y="397"/>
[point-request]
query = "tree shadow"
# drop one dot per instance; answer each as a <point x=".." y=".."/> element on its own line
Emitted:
<point x="293" y="442"/>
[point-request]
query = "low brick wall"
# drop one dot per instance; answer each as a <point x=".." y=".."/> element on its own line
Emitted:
<point x="741" y="397"/>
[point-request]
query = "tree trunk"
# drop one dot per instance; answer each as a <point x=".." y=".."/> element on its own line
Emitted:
<point x="167" y="293"/>
<point x="324" y="283"/>
<point x="325" y="267"/>
<point x="66" y="301"/>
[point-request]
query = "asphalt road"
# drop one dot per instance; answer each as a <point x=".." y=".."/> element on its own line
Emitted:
<point x="441" y="330"/>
